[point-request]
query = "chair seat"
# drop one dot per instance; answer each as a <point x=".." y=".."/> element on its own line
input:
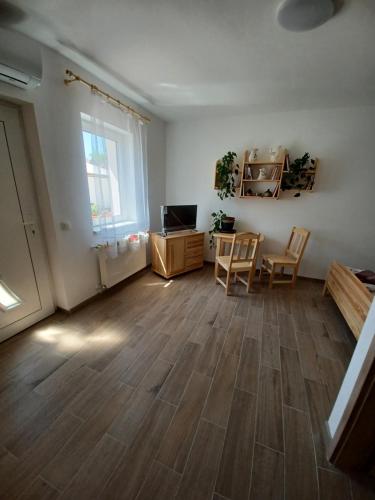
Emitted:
<point x="279" y="259"/>
<point x="244" y="265"/>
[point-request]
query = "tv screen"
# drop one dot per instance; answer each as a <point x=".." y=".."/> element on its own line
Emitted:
<point x="178" y="217"/>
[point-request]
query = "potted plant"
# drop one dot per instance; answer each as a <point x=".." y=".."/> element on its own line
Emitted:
<point x="227" y="224"/>
<point x="300" y="175"/>
<point x="227" y="172"/>
<point x="220" y="223"/>
<point x="216" y="221"/>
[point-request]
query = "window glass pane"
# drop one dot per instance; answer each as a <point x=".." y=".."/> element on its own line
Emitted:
<point x="8" y="299"/>
<point x="111" y="148"/>
<point x="96" y="154"/>
<point x="103" y="177"/>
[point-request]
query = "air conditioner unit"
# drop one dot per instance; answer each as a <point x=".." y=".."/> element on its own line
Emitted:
<point x="20" y="60"/>
<point x="18" y="78"/>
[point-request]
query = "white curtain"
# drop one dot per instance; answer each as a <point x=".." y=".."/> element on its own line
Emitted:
<point x="116" y="166"/>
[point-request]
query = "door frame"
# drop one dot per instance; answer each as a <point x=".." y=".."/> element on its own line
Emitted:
<point x="23" y="171"/>
<point x="352" y="445"/>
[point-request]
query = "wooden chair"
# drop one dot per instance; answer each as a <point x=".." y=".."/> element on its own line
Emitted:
<point x="242" y="259"/>
<point x="292" y="257"/>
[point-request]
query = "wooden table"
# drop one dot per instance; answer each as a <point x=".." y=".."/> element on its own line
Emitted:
<point x="227" y="238"/>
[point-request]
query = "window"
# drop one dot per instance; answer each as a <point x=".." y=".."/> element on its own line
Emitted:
<point x="116" y="188"/>
<point x="8" y="299"/>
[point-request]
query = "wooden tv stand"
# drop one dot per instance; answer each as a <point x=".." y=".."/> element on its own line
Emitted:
<point x="177" y="252"/>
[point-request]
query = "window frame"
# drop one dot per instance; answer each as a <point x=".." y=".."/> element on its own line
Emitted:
<point x="116" y="135"/>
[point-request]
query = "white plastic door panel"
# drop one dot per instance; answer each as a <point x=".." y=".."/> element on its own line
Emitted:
<point x="25" y="296"/>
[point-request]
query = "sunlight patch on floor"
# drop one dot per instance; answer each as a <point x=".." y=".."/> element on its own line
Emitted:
<point x="161" y="283"/>
<point x="105" y="338"/>
<point x="62" y="337"/>
<point x="69" y="339"/>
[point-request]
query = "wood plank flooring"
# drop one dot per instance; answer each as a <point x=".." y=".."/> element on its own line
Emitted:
<point x="171" y="390"/>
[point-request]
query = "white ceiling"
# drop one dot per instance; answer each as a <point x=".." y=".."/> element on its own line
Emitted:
<point x="187" y="57"/>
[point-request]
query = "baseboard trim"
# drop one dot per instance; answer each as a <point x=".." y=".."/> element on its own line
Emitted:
<point x="130" y="279"/>
<point x="106" y="291"/>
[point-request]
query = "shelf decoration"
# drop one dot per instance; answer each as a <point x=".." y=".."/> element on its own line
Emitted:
<point x="227" y="176"/>
<point x="300" y="174"/>
<point x="261" y="176"/>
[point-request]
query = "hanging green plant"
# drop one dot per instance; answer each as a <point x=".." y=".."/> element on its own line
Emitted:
<point x="216" y="223"/>
<point x="227" y="172"/>
<point x="300" y="176"/>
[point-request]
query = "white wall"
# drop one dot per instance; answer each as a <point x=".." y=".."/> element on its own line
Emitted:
<point x="60" y="175"/>
<point x="340" y="214"/>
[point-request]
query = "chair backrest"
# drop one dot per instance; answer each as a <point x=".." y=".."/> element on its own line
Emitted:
<point x="244" y="248"/>
<point x="297" y="243"/>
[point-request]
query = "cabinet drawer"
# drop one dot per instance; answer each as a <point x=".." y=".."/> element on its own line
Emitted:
<point x="194" y="241"/>
<point x="193" y="252"/>
<point x="194" y="261"/>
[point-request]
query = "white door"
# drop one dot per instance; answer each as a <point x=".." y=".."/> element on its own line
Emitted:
<point x="25" y="295"/>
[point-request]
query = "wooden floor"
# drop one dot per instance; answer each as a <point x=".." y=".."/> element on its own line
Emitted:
<point x="169" y="389"/>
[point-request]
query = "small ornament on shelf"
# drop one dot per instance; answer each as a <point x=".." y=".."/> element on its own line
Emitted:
<point x="262" y="174"/>
<point x="273" y="154"/>
<point x="253" y="156"/>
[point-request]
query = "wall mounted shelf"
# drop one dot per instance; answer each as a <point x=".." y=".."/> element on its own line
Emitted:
<point x="307" y="181"/>
<point x="249" y="185"/>
<point x="262" y="188"/>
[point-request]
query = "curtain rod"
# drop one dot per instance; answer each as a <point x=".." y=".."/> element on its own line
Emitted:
<point x="75" y="78"/>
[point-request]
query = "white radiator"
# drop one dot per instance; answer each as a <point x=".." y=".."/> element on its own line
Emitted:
<point x="116" y="266"/>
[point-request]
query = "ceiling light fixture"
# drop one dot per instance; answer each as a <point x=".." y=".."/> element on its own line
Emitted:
<point x="304" y="15"/>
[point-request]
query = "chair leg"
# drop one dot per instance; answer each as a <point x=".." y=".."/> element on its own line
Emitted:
<point x="227" y="283"/>
<point x="261" y="270"/>
<point x="218" y="252"/>
<point x="249" y="281"/>
<point x="253" y="274"/>
<point x="294" y="279"/>
<point x="272" y="274"/>
<point x="216" y="271"/>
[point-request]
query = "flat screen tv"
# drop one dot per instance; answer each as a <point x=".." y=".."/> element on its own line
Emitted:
<point x="178" y="217"/>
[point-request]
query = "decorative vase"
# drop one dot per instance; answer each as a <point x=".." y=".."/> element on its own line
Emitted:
<point x="273" y="154"/>
<point x="253" y="156"/>
<point x="236" y="177"/>
<point x="262" y="174"/>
